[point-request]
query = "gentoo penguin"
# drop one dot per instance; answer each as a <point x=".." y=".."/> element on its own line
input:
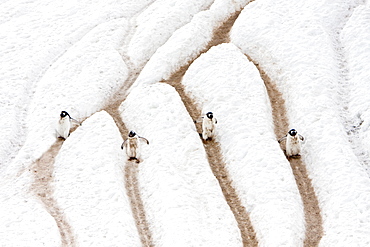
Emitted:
<point x="208" y="126"/>
<point x="131" y="144"/>
<point x="293" y="143"/>
<point x="64" y="125"/>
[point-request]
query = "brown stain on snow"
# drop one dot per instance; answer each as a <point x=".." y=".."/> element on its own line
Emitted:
<point x="131" y="167"/>
<point x="133" y="191"/>
<point x="218" y="166"/>
<point x="220" y="171"/>
<point x="215" y="158"/>
<point x="43" y="170"/>
<point x="43" y="188"/>
<point x="221" y="34"/>
<point x="314" y="229"/>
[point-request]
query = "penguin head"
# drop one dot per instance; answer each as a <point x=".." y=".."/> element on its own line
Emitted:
<point x="209" y="115"/>
<point x="292" y="132"/>
<point x="63" y="114"/>
<point x="131" y="134"/>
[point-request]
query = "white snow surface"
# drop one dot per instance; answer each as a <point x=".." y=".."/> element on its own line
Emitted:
<point x="194" y="211"/>
<point x="90" y="163"/>
<point x="188" y="42"/>
<point x="34" y="34"/>
<point x="355" y="37"/>
<point x="157" y="23"/>
<point x="223" y="81"/>
<point x="83" y="78"/>
<point x="302" y="60"/>
<point x="74" y="56"/>
<point x="24" y="221"/>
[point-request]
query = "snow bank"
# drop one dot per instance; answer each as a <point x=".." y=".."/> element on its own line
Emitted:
<point x="183" y="202"/>
<point x="299" y="56"/>
<point x="188" y="42"/>
<point x="81" y="82"/>
<point x="90" y="188"/>
<point x="355" y="37"/>
<point x="34" y="34"/>
<point x="24" y="222"/>
<point x="157" y="23"/>
<point x="225" y="82"/>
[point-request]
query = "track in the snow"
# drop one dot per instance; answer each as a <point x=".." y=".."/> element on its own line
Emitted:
<point x="133" y="191"/>
<point x="314" y="229"/>
<point x="219" y="170"/>
<point x="131" y="167"/>
<point x="132" y="188"/>
<point x="221" y="35"/>
<point x="42" y="187"/>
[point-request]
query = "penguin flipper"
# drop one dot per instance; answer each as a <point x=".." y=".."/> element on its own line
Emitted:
<point x="147" y="142"/>
<point x="76" y="121"/>
<point x="282" y="139"/>
<point x="123" y="143"/>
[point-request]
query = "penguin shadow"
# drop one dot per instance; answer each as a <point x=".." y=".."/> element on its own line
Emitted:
<point x="60" y="140"/>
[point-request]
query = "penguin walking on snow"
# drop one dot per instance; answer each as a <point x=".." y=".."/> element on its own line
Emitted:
<point x="64" y="125"/>
<point x="293" y="143"/>
<point x="208" y="126"/>
<point x="131" y="144"/>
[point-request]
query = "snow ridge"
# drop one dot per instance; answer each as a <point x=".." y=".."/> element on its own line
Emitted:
<point x="193" y="212"/>
<point x="228" y="92"/>
<point x="355" y="54"/>
<point x="313" y="217"/>
<point x="217" y="164"/>
<point x="300" y="56"/>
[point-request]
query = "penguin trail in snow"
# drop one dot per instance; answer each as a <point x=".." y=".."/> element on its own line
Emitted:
<point x="42" y="186"/>
<point x="314" y="225"/>
<point x="218" y="166"/>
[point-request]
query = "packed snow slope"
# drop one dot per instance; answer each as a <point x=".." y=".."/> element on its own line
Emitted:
<point x="77" y="56"/>
<point x="224" y="79"/>
<point x="193" y="212"/>
<point x="304" y="61"/>
<point x="355" y="37"/>
<point x="100" y="203"/>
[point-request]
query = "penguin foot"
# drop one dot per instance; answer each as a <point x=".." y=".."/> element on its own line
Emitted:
<point x="296" y="156"/>
<point x="134" y="159"/>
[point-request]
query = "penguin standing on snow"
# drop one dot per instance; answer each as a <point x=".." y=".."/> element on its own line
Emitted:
<point x="208" y="126"/>
<point x="131" y="144"/>
<point x="293" y="143"/>
<point x="64" y="125"/>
